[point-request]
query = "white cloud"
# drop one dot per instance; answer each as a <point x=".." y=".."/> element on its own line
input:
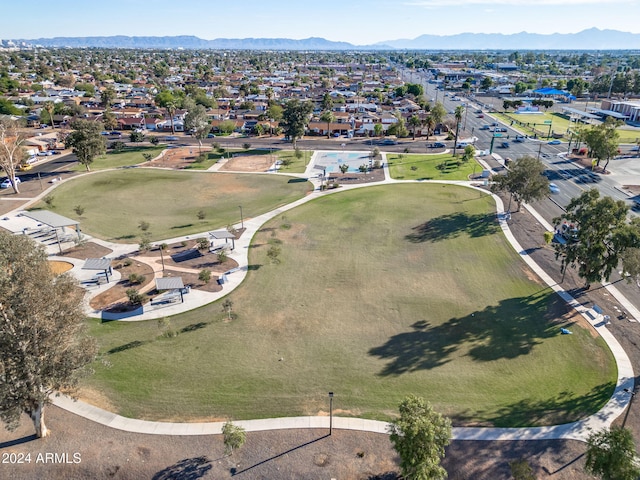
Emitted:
<point x="513" y="3"/>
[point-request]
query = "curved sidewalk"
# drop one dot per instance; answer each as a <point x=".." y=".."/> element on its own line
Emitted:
<point x="579" y="430"/>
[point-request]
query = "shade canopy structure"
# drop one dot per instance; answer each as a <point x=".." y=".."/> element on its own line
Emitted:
<point x="220" y="234"/>
<point x="102" y="264"/>
<point x="170" y="283"/>
<point x="54" y="221"/>
<point x="51" y="219"/>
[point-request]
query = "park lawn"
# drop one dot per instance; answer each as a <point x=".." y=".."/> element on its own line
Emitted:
<point x="430" y="167"/>
<point x="629" y="135"/>
<point x="297" y="165"/>
<point x="115" y="202"/>
<point x="129" y="156"/>
<point x="378" y="293"/>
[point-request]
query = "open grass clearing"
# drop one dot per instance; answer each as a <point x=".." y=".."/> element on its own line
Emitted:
<point x="115" y="202"/>
<point x="380" y="292"/>
<point x="404" y="166"/>
<point x="295" y="165"/>
<point x="127" y="157"/>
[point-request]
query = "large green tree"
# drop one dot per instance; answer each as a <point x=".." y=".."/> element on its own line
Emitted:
<point x="295" y="116"/>
<point x="602" y="237"/>
<point x="611" y="455"/>
<point x="414" y="123"/>
<point x="438" y="113"/>
<point x="43" y="345"/>
<point x="86" y="141"/>
<point x="197" y="122"/>
<point x="602" y="141"/>
<point x="329" y="117"/>
<point x="419" y="436"/>
<point x="523" y="181"/>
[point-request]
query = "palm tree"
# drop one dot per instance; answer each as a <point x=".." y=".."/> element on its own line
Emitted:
<point x="414" y="122"/>
<point x="171" y="109"/>
<point x="50" y="107"/>
<point x="458" y="114"/>
<point x="328" y="116"/>
<point x="430" y="123"/>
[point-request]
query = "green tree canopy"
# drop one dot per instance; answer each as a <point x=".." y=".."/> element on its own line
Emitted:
<point x="295" y="117"/>
<point x="523" y="181"/>
<point x="602" y="141"/>
<point x="43" y="346"/>
<point x="86" y="141"/>
<point x="611" y="455"/>
<point x="419" y="436"/>
<point x="602" y="236"/>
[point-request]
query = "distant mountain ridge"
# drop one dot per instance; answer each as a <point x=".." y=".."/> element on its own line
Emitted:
<point x="591" y="39"/>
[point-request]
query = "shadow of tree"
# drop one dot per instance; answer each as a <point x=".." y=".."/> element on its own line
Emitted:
<point x="563" y="408"/>
<point x="193" y="327"/>
<point x="126" y="346"/>
<point x="507" y="330"/>
<point x="18" y="441"/>
<point x="187" y="469"/>
<point x="453" y="225"/>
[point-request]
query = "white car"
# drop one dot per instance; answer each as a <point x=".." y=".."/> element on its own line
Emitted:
<point x="6" y="183"/>
<point x="553" y="188"/>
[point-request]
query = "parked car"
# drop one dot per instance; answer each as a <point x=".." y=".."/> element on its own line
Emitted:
<point x="6" y="183"/>
<point x="436" y="145"/>
<point x="554" y="142"/>
<point x="170" y="138"/>
<point x="46" y="153"/>
<point x="553" y="188"/>
<point x="23" y="167"/>
<point x="210" y="135"/>
<point x="388" y="141"/>
<point x="115" y="134"/>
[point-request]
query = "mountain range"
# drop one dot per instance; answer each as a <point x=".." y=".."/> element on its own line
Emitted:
<point x="591" y="39"/>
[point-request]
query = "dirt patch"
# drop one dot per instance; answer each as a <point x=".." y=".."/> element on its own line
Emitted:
<point x="177" y="158"/>
<point x="193" y="281"/>
<point x="375" y="175"/>
<point x="249" y="163"/>
<point x="87" y="250"/>
<point x="186" y="256"/>
<point x="116" y="297"/>
<point x="58" y="267"/>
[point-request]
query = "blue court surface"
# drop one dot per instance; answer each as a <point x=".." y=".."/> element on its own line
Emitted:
<point x="332" y="160"/>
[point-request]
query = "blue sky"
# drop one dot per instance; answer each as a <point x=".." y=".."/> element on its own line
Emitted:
<point x="356" y="21"/>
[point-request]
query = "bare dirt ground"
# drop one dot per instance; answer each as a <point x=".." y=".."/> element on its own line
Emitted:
<point x="375" y="175"/>
<point x="177" y="158"/>
<point x="248" y="163"/>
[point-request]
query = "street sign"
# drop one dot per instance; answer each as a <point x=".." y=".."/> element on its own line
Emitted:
<point x="547" y="122"/>
<point x="497" y="135"/>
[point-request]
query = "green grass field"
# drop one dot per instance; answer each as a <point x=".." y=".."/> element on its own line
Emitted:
<point x="297" y="165"/>
<point x="430" y="167"/>
<point x="126" y="158"/>
<point x="378" y="293"/>
<point x="115" y="202"/>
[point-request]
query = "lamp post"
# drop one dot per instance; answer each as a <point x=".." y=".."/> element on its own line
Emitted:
<point x="241" y="218"/>
<point x="330" y="412"/>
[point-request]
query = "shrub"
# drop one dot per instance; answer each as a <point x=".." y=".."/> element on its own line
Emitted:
<point x="273" y="253"/>
<point x="48" y="199"/>
<point x="143" y="225"/>
<point x="118" y="146"/>
<point x="200" y="158"/>
<point x="127" y="262"/>
<point x="135" y="279"/>
<point x="79" y="209"/>
<point x="164" y="324"/>
<point x="246" y="146"/>
<point x="201" y="214"/>
<point x="145" y="242"/>
<point x="147" y="156"/>
<point x="203" y="243"/>
<point x="377" y="164"/>
<point x="155" y="140"/>
<point x="344" y="167"/>
<point x="204" y="275"/>
<point x="222" y="256"/>
<point x="135" y="298"/>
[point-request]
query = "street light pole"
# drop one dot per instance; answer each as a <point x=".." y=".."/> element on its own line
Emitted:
<point x="330" y="412"/>
<point x="241" y="218"/>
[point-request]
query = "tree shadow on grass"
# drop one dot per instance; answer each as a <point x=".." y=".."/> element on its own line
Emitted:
<point x="18" y="441"/>
<point x="454" y="225"/>
<point x="563" y="408"/>
<point x="187" y="469"/>
<point x="126" y="346"/>
<point x="507" y="330"/>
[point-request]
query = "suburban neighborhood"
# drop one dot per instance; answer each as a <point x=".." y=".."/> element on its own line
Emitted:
<point x="281" y="263"/>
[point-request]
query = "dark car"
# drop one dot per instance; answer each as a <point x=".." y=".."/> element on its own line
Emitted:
<point x="484" y="127"/>
<point x="504" y="144"/>
<point x="436" y="145"/>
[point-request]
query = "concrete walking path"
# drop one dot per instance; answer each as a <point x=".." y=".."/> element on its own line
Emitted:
<point x="579" y="430"/>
